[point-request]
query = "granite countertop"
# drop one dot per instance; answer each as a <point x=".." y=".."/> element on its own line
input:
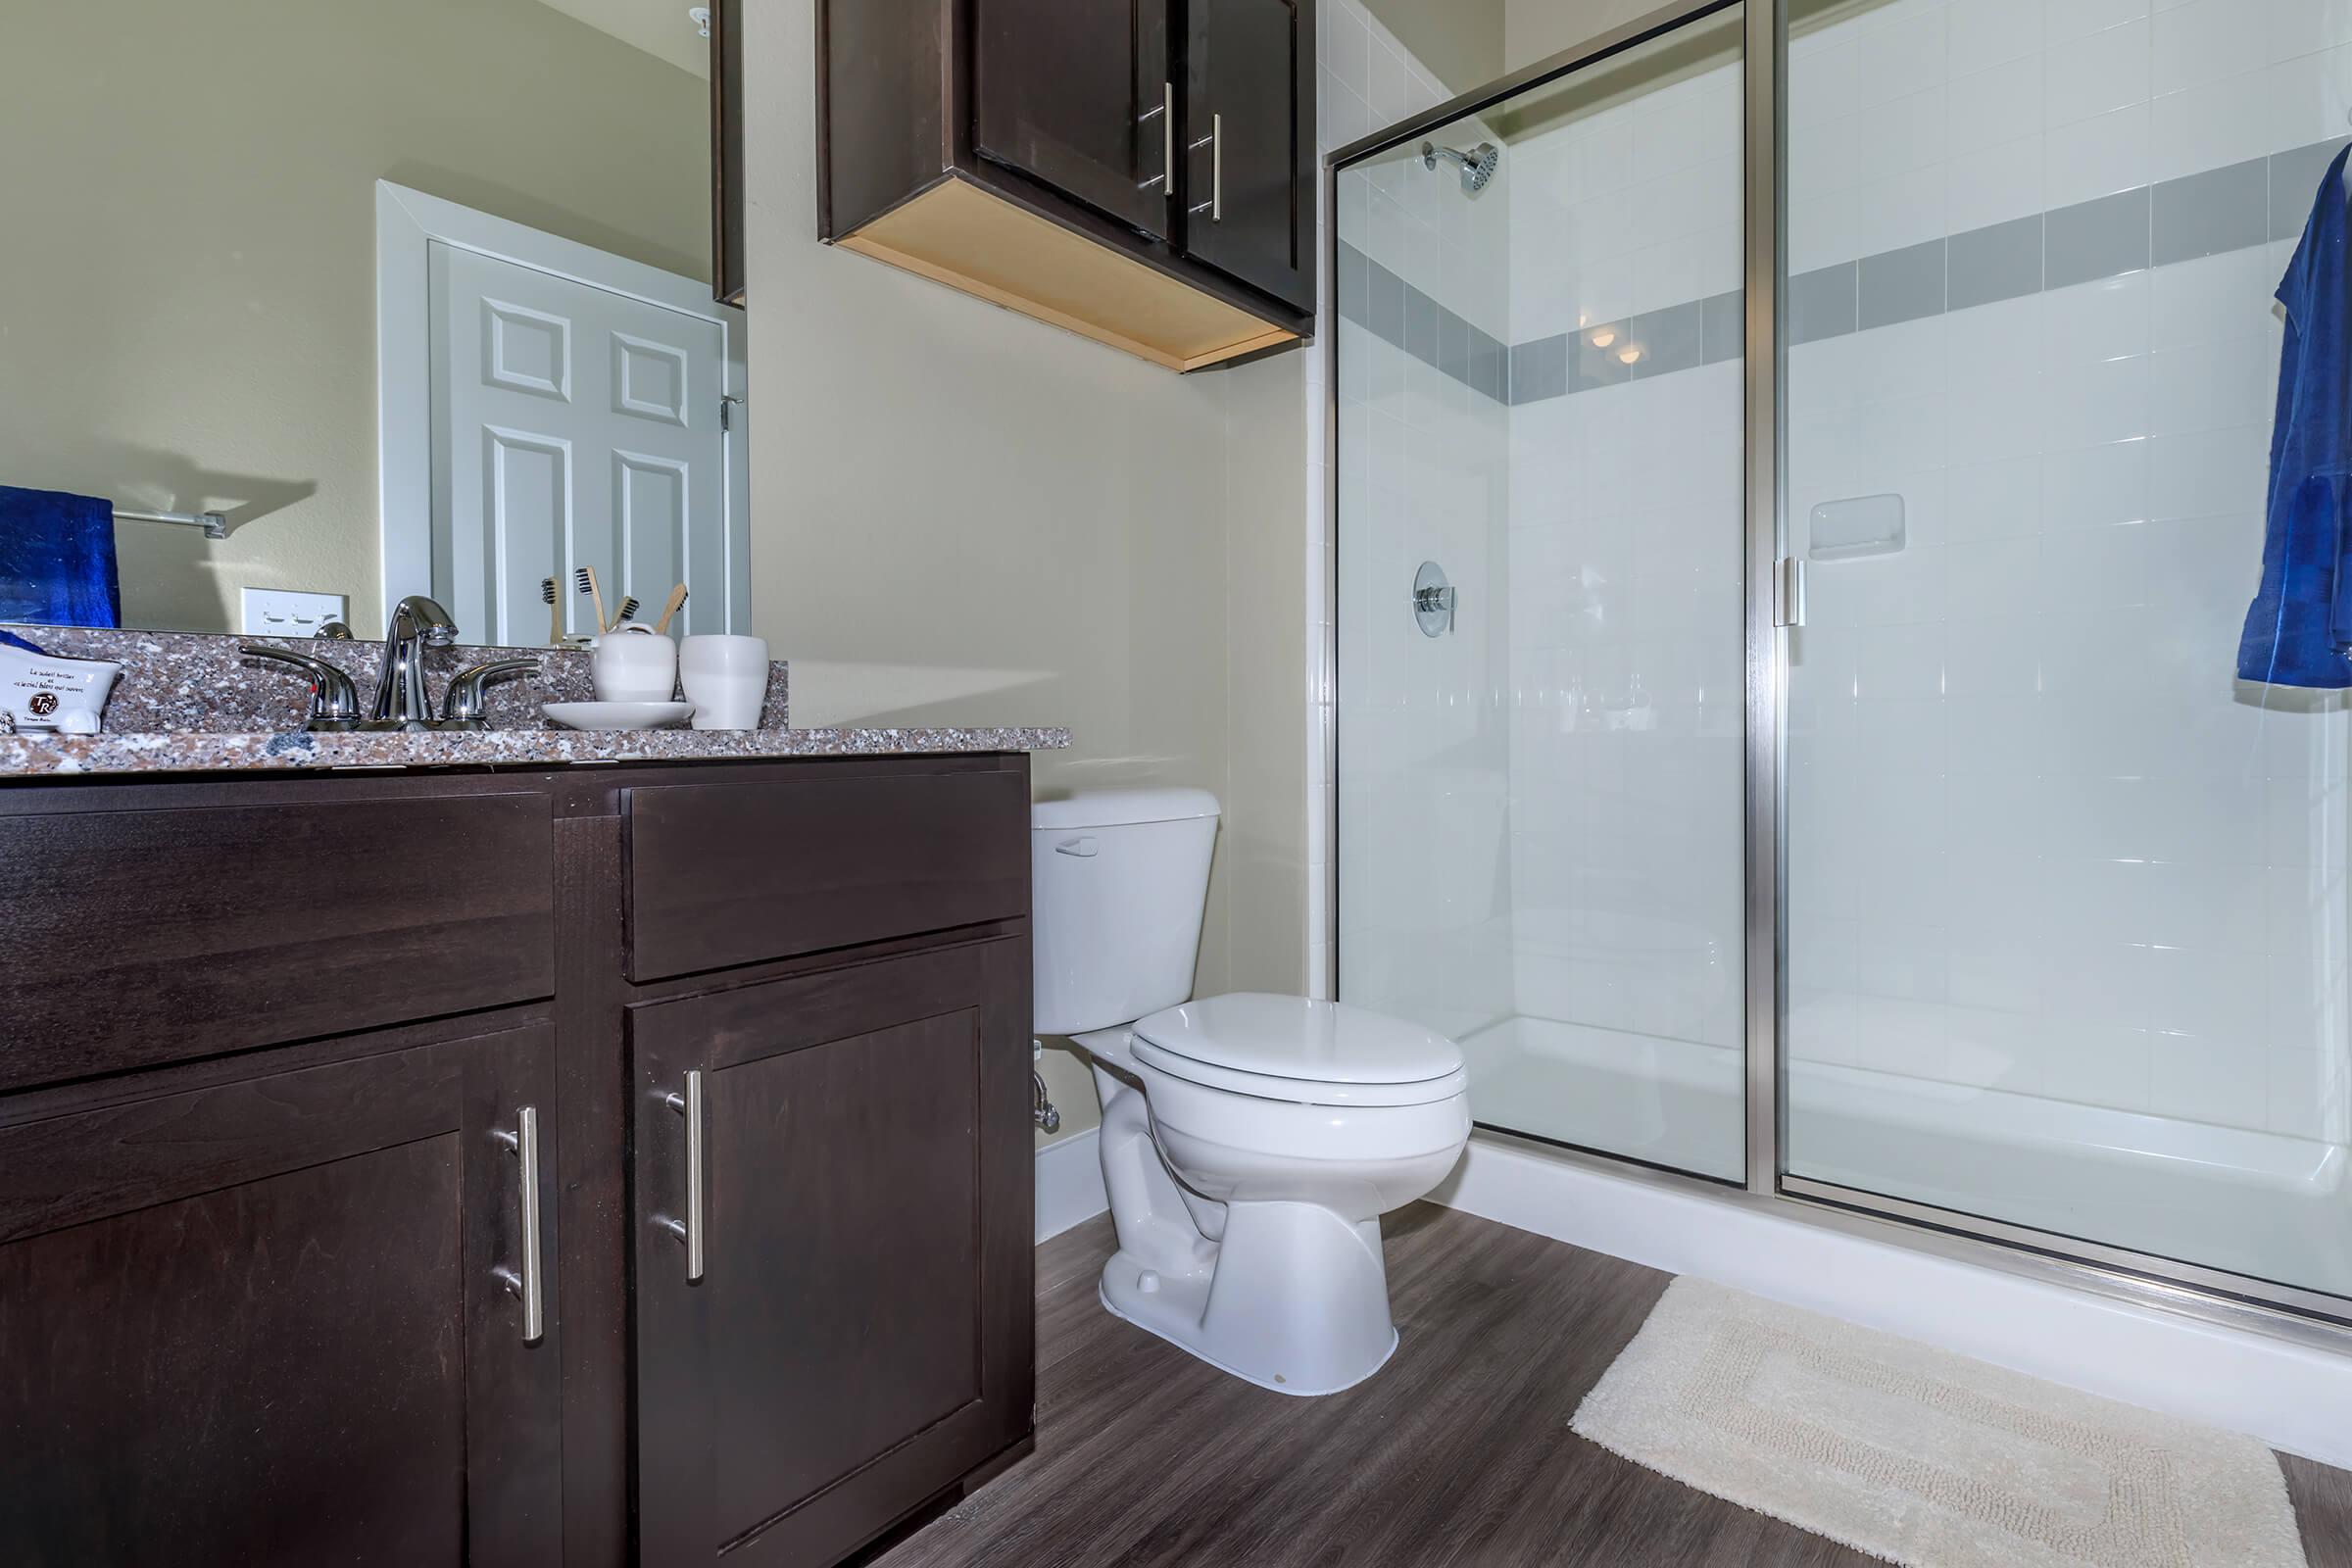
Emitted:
<point x="212" y="752"/>
<point x="189" y="703"/>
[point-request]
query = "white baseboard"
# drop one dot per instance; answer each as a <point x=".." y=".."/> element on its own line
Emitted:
<point x="1070" y="1182"/>
<point x="2293" y="1397"/>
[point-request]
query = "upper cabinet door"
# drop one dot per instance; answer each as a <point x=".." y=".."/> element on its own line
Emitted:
<point x="1079" y="97"/>
<point x="1249" y="137"/>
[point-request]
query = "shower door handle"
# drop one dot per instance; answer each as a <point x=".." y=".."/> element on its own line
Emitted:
<point x="1789" y="591"/>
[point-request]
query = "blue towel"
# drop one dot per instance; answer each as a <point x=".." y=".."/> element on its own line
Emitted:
<point x="2299" y="630"/>
<point x="57" y="559"/>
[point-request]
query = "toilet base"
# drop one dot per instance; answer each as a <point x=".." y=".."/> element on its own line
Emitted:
<point x="1291" y="1298"/>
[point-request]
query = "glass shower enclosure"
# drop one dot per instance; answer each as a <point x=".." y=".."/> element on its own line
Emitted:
<point x="1798" y="481"/>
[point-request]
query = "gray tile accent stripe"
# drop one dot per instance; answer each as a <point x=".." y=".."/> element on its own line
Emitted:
<point x="2000" y="262"/>
<point x="2091" y="240"/>
<point x="1901" y="285"/>
<point x="1821" y="304"/>
<point x="2294" y="180"/>
<point x="2205" y="213"/>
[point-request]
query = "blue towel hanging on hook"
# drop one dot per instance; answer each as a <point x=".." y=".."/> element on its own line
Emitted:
<point x="2299" y="629"/>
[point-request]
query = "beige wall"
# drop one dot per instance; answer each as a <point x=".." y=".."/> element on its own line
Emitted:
<point x="1462" y="42"/>
<point x="187" y="250"/>
<point x="1535" y="28"/>
<point x="959" y="514"/>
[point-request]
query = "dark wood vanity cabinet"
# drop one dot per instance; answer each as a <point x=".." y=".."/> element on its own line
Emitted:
<point x="1141" y="173"/>
<point x="265" y="1261"/>
<point x="262" y="1318"/>
<point x="861" y="1242"/>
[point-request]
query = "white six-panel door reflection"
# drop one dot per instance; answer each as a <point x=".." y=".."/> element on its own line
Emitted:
<point x="573" y="426"/>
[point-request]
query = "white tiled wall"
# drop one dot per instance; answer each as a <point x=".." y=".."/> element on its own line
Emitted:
<point x="1424" y="469"/>
<point x="2038" y="839"/>
<point x="1920" y="118"/>
<point x="1626" y="558"/>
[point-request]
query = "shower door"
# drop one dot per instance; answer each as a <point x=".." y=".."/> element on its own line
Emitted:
<point x="1826" y="771"/>
<point x="2066" y="916"/>
<point x="1540" y="627"/>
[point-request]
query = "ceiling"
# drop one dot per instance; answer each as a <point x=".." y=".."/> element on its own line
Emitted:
<point x="659" y="28"/>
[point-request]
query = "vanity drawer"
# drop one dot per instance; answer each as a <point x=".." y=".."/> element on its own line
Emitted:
<point x="724" y="874"/>
<point x="138" y="937"/>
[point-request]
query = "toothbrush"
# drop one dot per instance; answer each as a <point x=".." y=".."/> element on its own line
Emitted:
<point x="628" y="607"/>
<point x="555" y="612"/>
<point x="677" y="596"/>
<point x="585" y="577"/>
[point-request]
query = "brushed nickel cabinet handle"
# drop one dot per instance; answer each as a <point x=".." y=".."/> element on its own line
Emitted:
<point x="527" y="1284"/>
<point x="1165" y="113"/>
<point x="690" y="1230"/>
<point x="1216" y="169"/>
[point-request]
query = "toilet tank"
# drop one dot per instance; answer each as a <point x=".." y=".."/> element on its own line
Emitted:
<point x="1119" y="878"/>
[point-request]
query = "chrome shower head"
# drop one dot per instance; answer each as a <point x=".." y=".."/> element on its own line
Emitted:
<point x="1478" y="165"/>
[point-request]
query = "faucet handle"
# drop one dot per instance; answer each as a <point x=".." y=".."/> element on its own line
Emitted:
<point x="334" y="700"/>
<point x="462" y="707"/>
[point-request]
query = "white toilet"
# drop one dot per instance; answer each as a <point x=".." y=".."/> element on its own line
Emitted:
<point x="1251" y="1143"/>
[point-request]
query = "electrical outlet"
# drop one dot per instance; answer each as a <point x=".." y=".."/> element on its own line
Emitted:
<point x="288" y="611"/>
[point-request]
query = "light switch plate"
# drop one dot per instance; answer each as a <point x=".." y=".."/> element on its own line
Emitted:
<point x="288" y="611"/>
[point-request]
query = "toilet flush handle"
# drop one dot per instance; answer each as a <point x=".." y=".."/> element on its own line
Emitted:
<point x="1083" y="847"/>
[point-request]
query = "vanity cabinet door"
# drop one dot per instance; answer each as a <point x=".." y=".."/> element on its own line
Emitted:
<point x="859" y="1334"/>
<point x="262" y="1321"/>
<point x="1078" y="97"/>
<point x="1249" y="122"/>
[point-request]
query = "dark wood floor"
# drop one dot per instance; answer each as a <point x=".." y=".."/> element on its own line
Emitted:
<point x="1457" y="1452"/>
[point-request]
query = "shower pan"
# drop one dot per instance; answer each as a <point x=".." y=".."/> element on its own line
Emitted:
<point x="1827" y="780"/>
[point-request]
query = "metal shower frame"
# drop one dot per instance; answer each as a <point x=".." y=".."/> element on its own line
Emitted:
<point x="2214" y="1295"/>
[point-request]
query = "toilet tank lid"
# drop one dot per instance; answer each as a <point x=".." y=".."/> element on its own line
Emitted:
<point x="1120" y="809"/>
<point x="1292" y="1036"/>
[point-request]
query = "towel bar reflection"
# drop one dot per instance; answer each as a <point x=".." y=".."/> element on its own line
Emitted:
<point x="214" y="525"/>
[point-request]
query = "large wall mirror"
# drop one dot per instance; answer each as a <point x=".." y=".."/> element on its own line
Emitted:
<point x="392" y="298"/>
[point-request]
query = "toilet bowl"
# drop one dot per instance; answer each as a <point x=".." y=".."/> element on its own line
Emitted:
<point x="1248" y="1208"/>
<point x="1250" y="1142"/>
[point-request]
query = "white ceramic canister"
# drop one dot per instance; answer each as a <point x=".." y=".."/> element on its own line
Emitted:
<point x="725" y="679"/>
<point x="636" y="665"/>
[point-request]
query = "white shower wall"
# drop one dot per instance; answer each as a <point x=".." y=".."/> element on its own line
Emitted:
<point x="1627" y="656"/>
<point x="1423" y="475"/>
<point x="2038" y="839"/>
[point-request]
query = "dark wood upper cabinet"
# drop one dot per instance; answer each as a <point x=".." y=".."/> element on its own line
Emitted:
<point x="1020" y="150"/>
<point x="1054" y="102"/>
<point x="1248" y="63"/>
<point x="259" y="1321"/>
<point x="727" y="195"/>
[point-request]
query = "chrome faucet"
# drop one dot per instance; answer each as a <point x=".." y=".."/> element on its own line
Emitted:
<point x="402" y="700"/>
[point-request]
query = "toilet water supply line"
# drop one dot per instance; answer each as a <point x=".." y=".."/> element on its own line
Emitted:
<point x="1047" y="1116"/>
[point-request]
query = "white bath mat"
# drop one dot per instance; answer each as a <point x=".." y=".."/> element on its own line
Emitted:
<point x="1923" y="1458"/>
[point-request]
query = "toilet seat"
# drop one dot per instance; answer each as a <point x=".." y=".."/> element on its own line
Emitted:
<point x="1299" y="1050"/>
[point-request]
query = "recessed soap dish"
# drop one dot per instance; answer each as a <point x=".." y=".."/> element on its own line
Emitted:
<point x="1861" y="525"/>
